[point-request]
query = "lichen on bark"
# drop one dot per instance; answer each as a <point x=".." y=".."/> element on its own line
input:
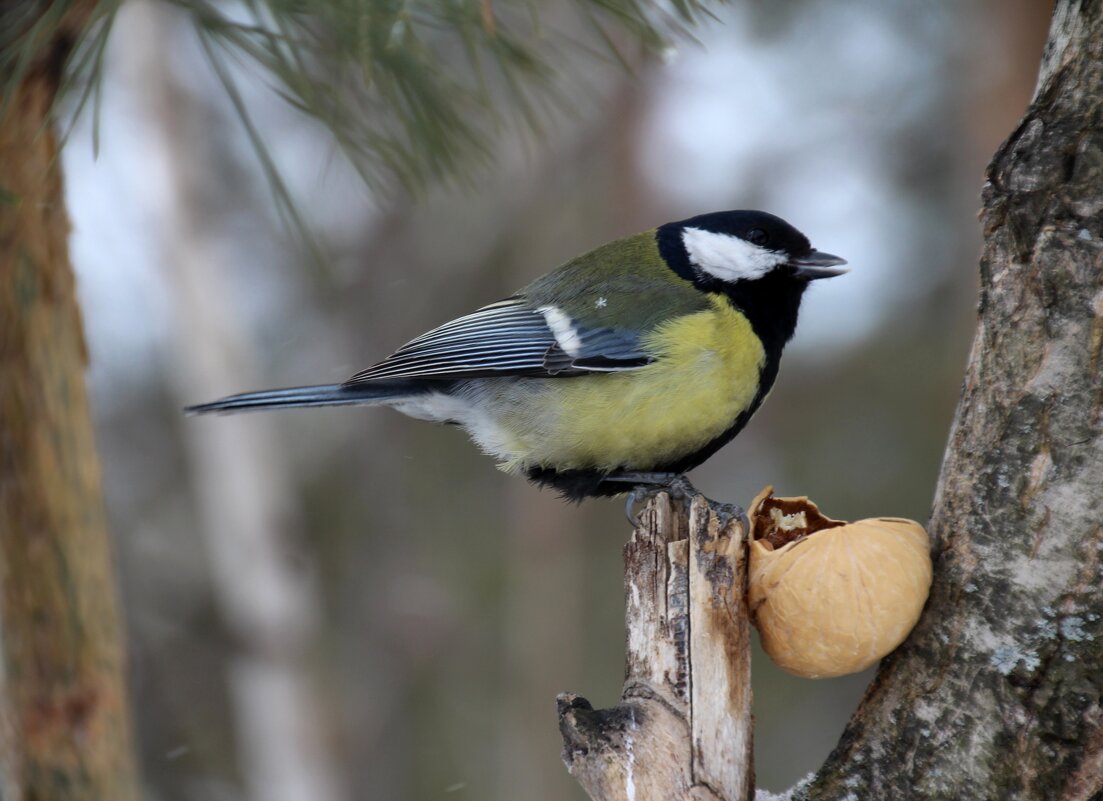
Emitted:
<point x="997" y="693"/>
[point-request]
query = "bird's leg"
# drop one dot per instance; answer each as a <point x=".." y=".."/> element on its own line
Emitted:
<point x="656" y="481"/>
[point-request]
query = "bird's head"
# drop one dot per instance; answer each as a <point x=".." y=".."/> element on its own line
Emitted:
<point x="731" y="247"/>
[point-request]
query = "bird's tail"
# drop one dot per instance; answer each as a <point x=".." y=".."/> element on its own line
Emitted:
<point x="373" y="393"/>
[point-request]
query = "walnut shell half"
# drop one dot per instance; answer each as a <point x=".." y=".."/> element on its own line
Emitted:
<point x="830" y="597"/>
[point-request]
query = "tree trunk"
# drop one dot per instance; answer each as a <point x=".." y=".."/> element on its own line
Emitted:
<point x="997" y="694"/>
<point x="266" y="597"/>
<point x="64" y="725"/>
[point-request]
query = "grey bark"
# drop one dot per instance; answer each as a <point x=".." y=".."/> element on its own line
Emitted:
<point x="997" y="693"/>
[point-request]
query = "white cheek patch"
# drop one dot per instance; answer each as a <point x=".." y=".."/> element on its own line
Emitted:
<point x="562" y="329"/>
<point x="729" y="258"/>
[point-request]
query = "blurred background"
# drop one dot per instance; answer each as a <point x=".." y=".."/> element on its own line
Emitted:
<point x="346" y="604"/>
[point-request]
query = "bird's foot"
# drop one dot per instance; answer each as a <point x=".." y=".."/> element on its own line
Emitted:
<point x="647" y="485"/>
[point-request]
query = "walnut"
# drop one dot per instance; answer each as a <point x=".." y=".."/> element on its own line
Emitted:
<point x="830" y="597"/>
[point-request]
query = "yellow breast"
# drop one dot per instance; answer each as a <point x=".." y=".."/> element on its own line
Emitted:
<point x="705" y="374"/>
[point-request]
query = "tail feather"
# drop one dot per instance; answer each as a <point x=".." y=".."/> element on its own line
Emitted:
<point x="321" y="395"/>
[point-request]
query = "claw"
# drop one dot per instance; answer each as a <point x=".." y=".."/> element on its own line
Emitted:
<point x="648" y="484"/>
<point x="629" y="511"/>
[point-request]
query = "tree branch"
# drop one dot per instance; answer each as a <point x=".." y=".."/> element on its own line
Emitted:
<point x="683" y="729"/>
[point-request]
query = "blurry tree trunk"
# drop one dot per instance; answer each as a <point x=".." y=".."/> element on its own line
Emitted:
<point x="998" y="693"/>
<point x="64" y="724"/>
<point x="544" y="556"/>
<point x="265" y="593"/>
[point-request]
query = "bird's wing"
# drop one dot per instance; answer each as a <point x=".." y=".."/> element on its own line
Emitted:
<point x="512" y="337"/>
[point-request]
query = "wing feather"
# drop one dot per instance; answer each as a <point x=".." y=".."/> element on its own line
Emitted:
<point x="508" y="338"/>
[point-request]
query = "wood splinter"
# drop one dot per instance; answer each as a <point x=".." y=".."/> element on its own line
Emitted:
<point x="683" y="728"/>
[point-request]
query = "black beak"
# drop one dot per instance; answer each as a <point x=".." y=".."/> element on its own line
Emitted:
<point x="817" y="265"/>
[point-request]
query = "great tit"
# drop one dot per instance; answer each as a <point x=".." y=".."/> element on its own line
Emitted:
<point x="628" y="365"/>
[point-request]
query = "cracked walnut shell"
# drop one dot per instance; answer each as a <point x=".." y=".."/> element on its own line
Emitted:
<point x="830" y="597"/>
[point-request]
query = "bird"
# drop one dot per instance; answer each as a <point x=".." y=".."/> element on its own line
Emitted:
<point x="621" y="369"/>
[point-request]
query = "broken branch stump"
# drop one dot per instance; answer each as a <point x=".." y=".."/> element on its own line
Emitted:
<point x="683" y="728"/>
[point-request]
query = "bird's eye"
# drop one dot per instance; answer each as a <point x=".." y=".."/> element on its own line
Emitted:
<point x="756" y="236"/>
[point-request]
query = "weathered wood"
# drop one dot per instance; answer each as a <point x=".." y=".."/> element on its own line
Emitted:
<point x="720" y="648"/>
<point x="683" y="729"/>
<point x="64" y="727"/>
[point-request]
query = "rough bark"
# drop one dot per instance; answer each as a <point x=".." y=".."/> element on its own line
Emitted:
<point x="683" y="729"/>
<point x="997" y="693"/>
<point x="65" y="731"/>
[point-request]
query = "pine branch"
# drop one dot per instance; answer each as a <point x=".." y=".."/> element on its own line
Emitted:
<point x="414" y="92"/>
